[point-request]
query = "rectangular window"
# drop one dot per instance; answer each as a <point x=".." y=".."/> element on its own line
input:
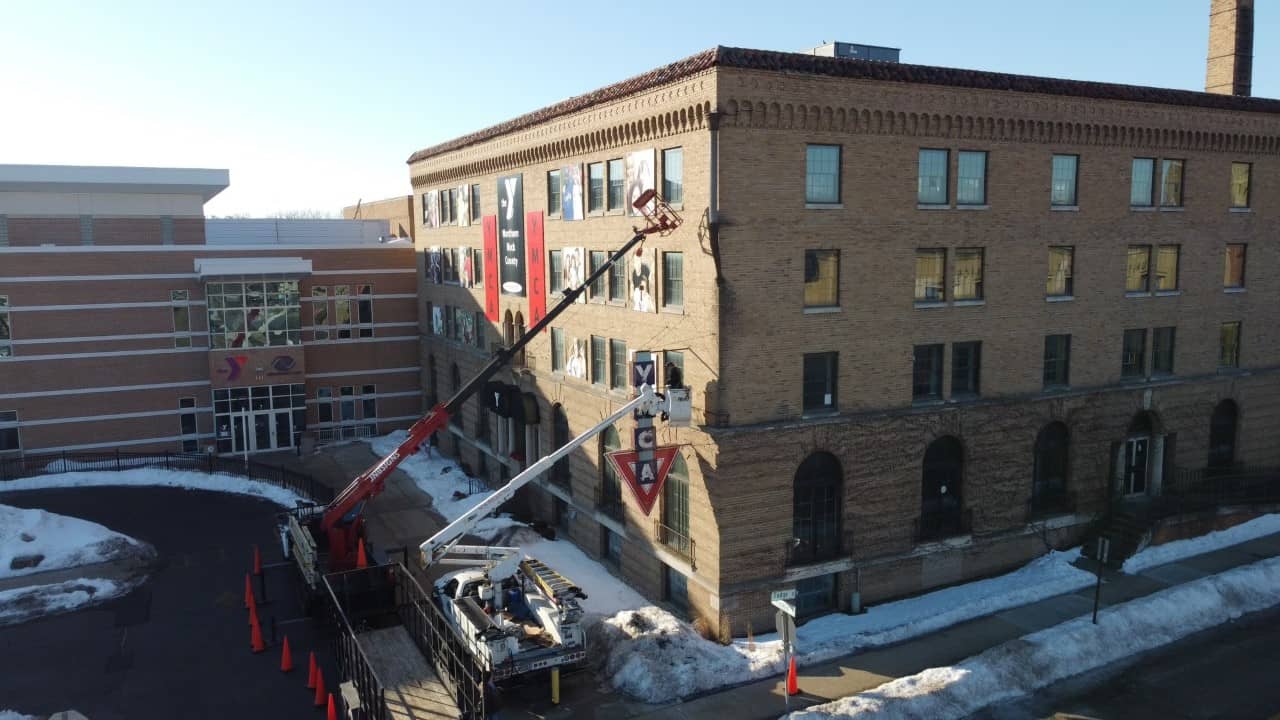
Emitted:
<point x="971" y="178"/>
<point x="617" y="174"/>
<point x="449" y="259"/>
<point x="618" y="368"/>
<point x="596" y="289"/>
<point x="1162" y="339"/>
<point x="324" y="404"/>
<point x="557" y="350"/>
<point x="481" y="324"/>
<point x="342" y="310"/>
<point x="1171" y="183"/>
<point x="821" y="278"/>
<point x="819" y="382"/>
<point x="347" y="403"/>
<point x="368" y="402"/>
<point x="1057" y="361"/>
<point x="261" y="313"/>
<point x="926" y="383"/>
<point x="86" y="229"/>
<point x="932" y="182"/>
<point x="555" y="268"/>
<point x="1167" y="267"/>
<point x="673" y="175"/>
<point x="10" y="440"/>
<point x="1133" y="364"/>
<point x="1240" y="175"/>
<point x="672" y="280"/>
<point x="822" y="174"/>
<point x="599" y="360"/>
<point x="618" y="282"/>
<point x="187" y="424"/>
<point x="181" y="318"/>
<point x="595" y="187"/>
<point x="968" y="280"/>
<point x="672" y="359"/>
<point x="1229" y="345"/>
<point x="1137" y="274"/>
<point x="1063" y="191"/>
<point x="931" y="266"/>
<point x="364" y="310"/>
<point x="4" y="230"/>
<point x="166" y="230"/>
<point x="6" y="330"/>
<point x="553" y="193"/>
<point x="475" y="202"/>
<point x="966" y="365"/>
<point x="1142" y="182"/>
<point x="1233" y="269"/>
<point x="1059" y="283"/>
<point x="426" y="205"/>
<point x="477" y="265"/>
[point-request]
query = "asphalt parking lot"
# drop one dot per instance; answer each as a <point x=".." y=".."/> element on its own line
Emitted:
<point x="178" y="646"/>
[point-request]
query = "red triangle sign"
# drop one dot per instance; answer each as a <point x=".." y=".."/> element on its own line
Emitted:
<point x="625" y="461"/>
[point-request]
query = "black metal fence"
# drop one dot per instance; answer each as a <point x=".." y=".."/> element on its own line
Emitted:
<point x="456" y="667"/>
<point x="31" y="465"/>
<point x="1204" y="488"/>
<point x="353" y="664"/>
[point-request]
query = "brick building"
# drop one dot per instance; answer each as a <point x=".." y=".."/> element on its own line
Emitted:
<point x="932" y="318"/>
<point x="397" y="211"/>
<point x="129" y="321"/>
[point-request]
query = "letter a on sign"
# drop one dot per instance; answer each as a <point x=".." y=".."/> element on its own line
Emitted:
<point x="645" y="479"/>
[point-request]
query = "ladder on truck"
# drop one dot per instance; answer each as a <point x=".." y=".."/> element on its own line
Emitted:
<point x="552" y="583"/>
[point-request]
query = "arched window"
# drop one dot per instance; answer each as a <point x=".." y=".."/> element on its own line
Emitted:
<point x="675" y="509"/>
<point x="815" y="509"/>
<point x="610" y="498"/>
<point x="941" y="500"/>
<point x="1222" y="434"/>
<point x="560" y="438"/>
<point x="518" y="333"/>
<point x="508" y="330"/>
<point x="1049" y="485"/>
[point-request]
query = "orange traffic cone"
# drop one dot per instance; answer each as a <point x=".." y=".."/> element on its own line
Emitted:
<point x="319" y="688"/>
<point x="311" y="672"/>
<point x="362" y="560"/>
<point x="793" y="685"/>
<point x="286" y="657"/>
<point x="253" y="614"/>
<point x="248" y="592"/>
<point x="255" y="636"/>
<point x="257" y="561"/>
<point x="332" y="714"/>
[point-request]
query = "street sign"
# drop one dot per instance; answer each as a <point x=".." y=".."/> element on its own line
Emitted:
<point x="783" y="594"/>
<point x="645" y="478"/>
<point x="644" y="370"/>
<point x="786" y="627"/>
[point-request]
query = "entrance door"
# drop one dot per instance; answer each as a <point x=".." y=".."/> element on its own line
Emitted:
<point x="238" y="437"/>
<point x="262" y="431"/>
<point x="283" y="429"/>
<point x="1136" y="451"/>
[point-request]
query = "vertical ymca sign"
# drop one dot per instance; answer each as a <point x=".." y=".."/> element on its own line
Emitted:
<point x="511" y="233"/>
<point x="645" y="468"/>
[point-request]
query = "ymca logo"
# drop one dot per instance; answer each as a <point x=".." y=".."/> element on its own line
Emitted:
<point x="283" y="363"/>
<point x="236" y="364"/>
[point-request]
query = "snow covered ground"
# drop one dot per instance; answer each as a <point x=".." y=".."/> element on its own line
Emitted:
<point x="157" y="477"/>
<point x="1178" y="549"/>
<point x="15" y="715"/>
<point x="62" y="541"/>
<point x="21" y="604"/>
<point x="1022" y="666"/>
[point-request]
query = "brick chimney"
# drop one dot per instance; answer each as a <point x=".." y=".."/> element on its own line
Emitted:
<point x="1230" y="66"/>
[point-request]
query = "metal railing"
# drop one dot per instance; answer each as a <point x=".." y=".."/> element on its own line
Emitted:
<point x="1198" y="489"/>
<point x="31" y="465"/>
<point x="681" y="544"/>
<point x="436" y="639"/>
<point x="940" y="525"/>
<point x="353" y="664"/>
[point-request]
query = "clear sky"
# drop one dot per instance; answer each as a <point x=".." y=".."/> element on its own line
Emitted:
<point x="314" y="105"/>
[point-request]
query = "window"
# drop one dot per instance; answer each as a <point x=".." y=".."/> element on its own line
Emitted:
<point x="1049" y="484"/>
<point x="342" y="310"/>
<point x="1233" y="268"/>
<point x="612" y="547"/>
<point x="1171" y="183"/>
<point x="966" y="364"/>
<point x="595" y="187"/>
<point x="6" y="330"/>
<point x="10" y="440"/>
<point x="673" y="365"/>
<point x="553" y="193"/>
<point x="1142" y="183"/>
<point x="822" y="174"/>
<point x="968" y="280"/>
<point x="1059" y="283"/>
<point x="927" y="373"/>
<point x="596" y="289"/>
<point x="480" y="324"/>
<point x="450" y="265"/>
<point x="555" y="270"/>
<point x="610" y="500"/>
<point x="4" y="230"/>
<point x="1057" y="361"/>
<point x="448" y="201"/>
<point x="971" y="181"/>
<point x="815" y="510"/>
<point x="187" y="425"/>
<point x="475" y="205"/>
<point x="1229" y="345"/>
<point x="819" y="382"/>
<point x="560" y="472"/>
<point x="319" y="313"/>
<point x="1222" y="434"/>
<point x="617" y="174"/>
<point x="1162" y="340"/>
<point x="673" y="176"/>
<point x="364" y="310"/>
<point x="324" y="404"/>
<point x="347" y="403"/>
<point x="1240" y="175"/>
<point x="599" y="360"/>
<point x="477" y="265"/>
<point x="426" y="208"/>
<point x="941" y="507"/>
<point x="676" y="590"/>
<point x="261" y="313"/>
<point x="821" y="278"/>
<point x="557" y="350"/>
<point x="1137" y="274"/>
<point x="618" y="282"/>
<point x="931" y="265"/>
<point x="618" y="368"/>
<point x="1063" y="192"/>
<point x="1133" y="364"/>
<point x="369" y="398"/>
<point x="181" y="318"/>
<point x="675" y="509"/>
<point x="672" y="280"/>
<point x="815" y="595"/>
<point x="1167" y="267"/>
<point x="932" y="183"/>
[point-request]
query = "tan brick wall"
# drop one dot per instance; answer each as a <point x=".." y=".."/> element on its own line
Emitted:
<point x="398" y="211"/>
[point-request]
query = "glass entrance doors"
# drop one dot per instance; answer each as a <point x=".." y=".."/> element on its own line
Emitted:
<point x="259" y="419"/>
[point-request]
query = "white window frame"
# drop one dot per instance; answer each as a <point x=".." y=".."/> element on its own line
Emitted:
<point x="6" y="345"/>
<point x="181" y="300"/>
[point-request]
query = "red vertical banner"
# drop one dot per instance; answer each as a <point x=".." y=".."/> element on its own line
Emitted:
<point x="489" y="224"/>
<point x="535" y="260"/>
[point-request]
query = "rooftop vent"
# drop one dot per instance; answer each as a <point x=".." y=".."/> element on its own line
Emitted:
<point x="855" y="51"/>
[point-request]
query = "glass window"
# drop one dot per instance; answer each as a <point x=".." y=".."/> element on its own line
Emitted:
<point x="673" y="175"/>
<point x="819" y="382"/>
<point x="927" y="372"/>
<point x="618" y="368"/>
<point x="1133" y="364"/>
<point x="617" y="175"/>
<point x="1229" y="345"/>
<point x="1240" y="173"/>
<point x="821" y="278"/>
<point x="612" y="547"/>
<point x="10" y="440"/>
<point x="1222" y="434"/>
<point x="815" y="510"/>
<point x="261" y="313"/>
<point x="364" y="309"/>
<point x="598" y="259"/>
<point x="1171" y="183"/>
<point x="595" y="187"/>
<point x="673" y="364"/>
<point x="187" y="424"/>
<point x="966" y="363"/>
<point x="675" y="507"/>
<point x="369" y="401"/>
<point x="1064" y="180"/>
<point x="815" y="595"/>
<point x="557" y="350"/>
<point x="324" y="404"/>
<point x="1137" y="274"/>
<point x="1057" y="361"/>
<point x="6" y="330"/>
<point x="941" y="505"/>
<point x="1049" y="483"/>
<point x="1142" y="182"/>
<point x="610" y="499"/>
<point x="347" y="403"/>
<point x="971" y="180"/>
<point x="1233" y="270"/>
<point x="181" y="319"/>
<point x="931" y="265"/>
<point x="599" y="360"/>
<point x="553" y="193"/>
<point x="1167" y="267"/>
<point x="477" y="265"/>
<point x="672" y="279"/>
<point x="475" y="203"/>
<point x="1162" y="339"/>
<point x="822" y="174"/>
<point x="618" y="282"/>
<point x="555" y="270"/>
<point x="968" y="280"/>
<point x="932" y="183"/>
<point x="1059" y="282"/>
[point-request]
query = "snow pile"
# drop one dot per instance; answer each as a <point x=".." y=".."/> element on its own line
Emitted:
<point x="1022" y="666"/>
<point x="62" y="541"/>
<point x="606" y="594"/>
<point x="15" y="715"/>
<point x="1179" y="549"/>
<point x="22" y="603"/>
<point x="156" y="477"/>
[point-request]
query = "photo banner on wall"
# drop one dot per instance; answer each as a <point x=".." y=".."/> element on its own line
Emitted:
<point x="433" y="208"/>
<point x="571" y="192"/>
<point x="642" y="280"/>
<point x="537" y="268"/>
<point x="463" y="213"/>
<point x="573" y="269"/>
<point x="489" y="229"/>
<point x="435" y="265"/>
<point x="639" y="168"/>
<point x="467" y="267"/>
<point x="511" y="233"/>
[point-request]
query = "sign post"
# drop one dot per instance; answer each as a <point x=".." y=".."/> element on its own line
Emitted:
<point x="1104" y="549"/>
<point x="785" y="622"/>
